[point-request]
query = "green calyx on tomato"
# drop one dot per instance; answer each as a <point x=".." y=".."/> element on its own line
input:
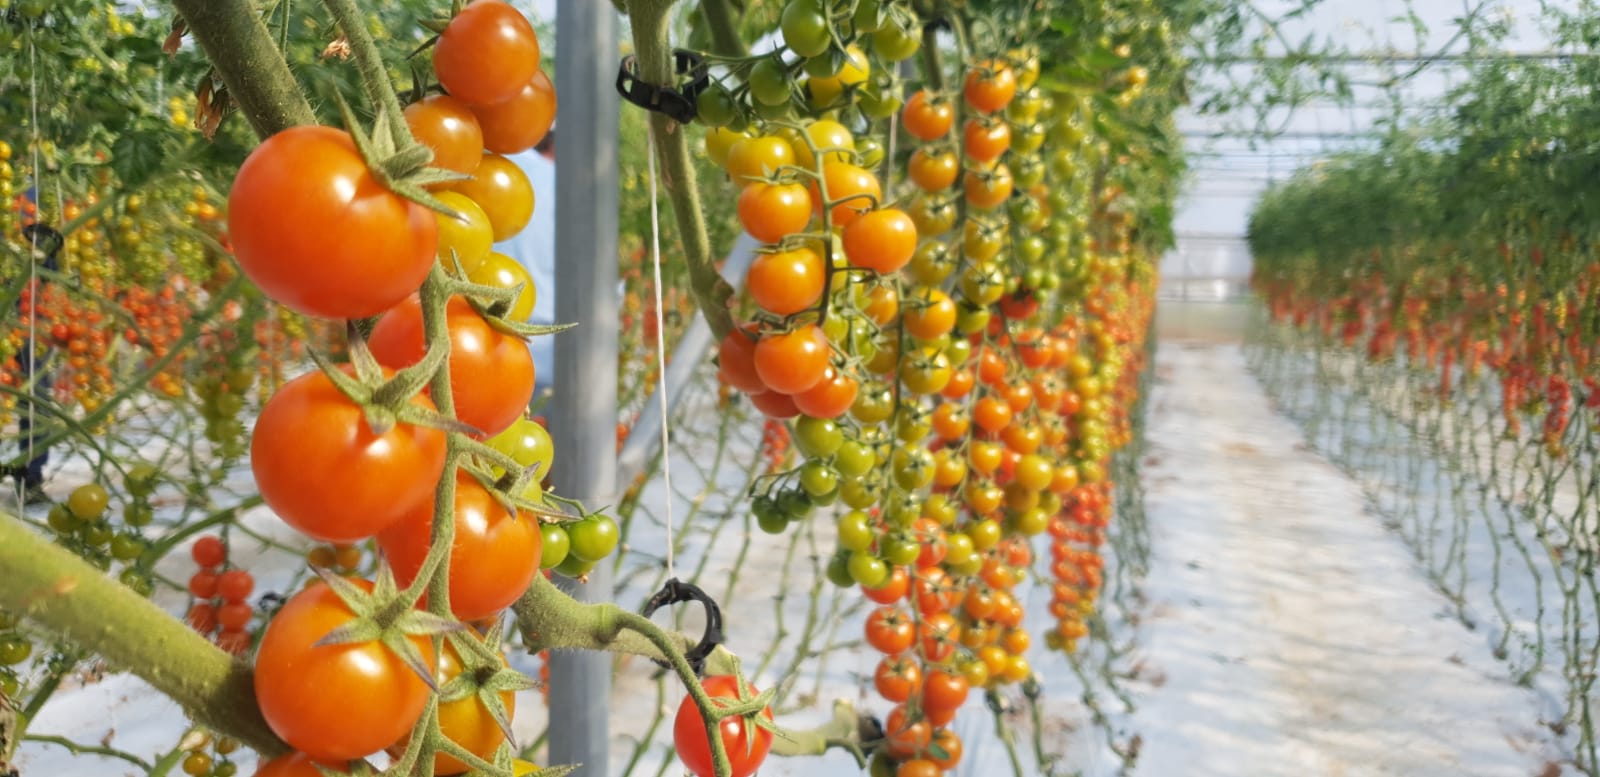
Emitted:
<point x="347" y="639"/>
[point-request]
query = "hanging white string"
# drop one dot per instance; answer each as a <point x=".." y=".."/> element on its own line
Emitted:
<point x="661" y="348"/>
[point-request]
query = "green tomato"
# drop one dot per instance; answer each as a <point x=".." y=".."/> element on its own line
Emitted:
<point x="894" y="43"/>
<point x="870" y="149"/>
<point x="817" y="438"/>
<point x="126" y="546"/>
<point x="855" y="531"/>
<point x="555" y="545"/>
<point x="88" y="501"/>
<point x="97" y="534"/>
<point x="769" y="82"/>
<point x="14" y="649"/>
<point x="528" y="444"/>
<point x="772" y="522"/>
<point x="805" y="28"/>
<point x="138" y="514"/>
<point x="818" y="479"/>
<point x="62" y="520"/>
<point x="574" y="567"/>
<point x="867" y="569"/>
<point x="794" y="505"/>
<point x="838" y="572"/>
<point x="959" y="550"/>
<point x="137" y="581"/>
<point x="858" y="493"/>
<point x="715" y="107"/>
<point x="900" y="549"/>
<point x="140" y="479"/>
<point x="913" y="467"/>
<point x="593" y="538"/>
<point x="854" y="459"/>
<point x="868" y="16"/>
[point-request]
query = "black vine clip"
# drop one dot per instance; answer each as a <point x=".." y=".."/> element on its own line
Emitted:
<point x="677" y="102"/>
<point x="676" y="591"/>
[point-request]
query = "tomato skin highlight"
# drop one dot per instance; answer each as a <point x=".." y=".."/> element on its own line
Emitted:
<point x="313" y="228"/>
<point x="491" y="372"/>
<point x="493" y="558"/>
<point x="746" y="744"/>
<point x="319" y="466"/>
<point x="334" y="702"/>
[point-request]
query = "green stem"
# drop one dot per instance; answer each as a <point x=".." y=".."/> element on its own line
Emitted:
<point x="238" y="44"/>
<point x="653" y="54"/>
<point x="369" y="60"/>
<point x="724" y="26"/>
<point x="49" y="585"/>
<point x="81" y="749"/>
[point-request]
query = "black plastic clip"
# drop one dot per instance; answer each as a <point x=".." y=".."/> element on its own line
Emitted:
<point x="676" y="591"/>
<point x="678" y="102"/>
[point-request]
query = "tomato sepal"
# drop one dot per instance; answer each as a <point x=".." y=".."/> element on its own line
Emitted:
<point x="388" y="616"/>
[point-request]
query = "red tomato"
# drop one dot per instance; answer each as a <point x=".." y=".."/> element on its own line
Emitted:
<point x="320" y="467"/>
<point x="944" y="690"/>
<point x="491" y="372"/>
<point x="334" y="702"/>
<point x="492" y="560"/>
<point x="736" y="362"/>
<point x="519" y="123"/>
<point x="745" y="744"/>
<point x="897" y="678"/>
<point x="830" y="398"/>
<point x="312" y="227"/>
<point x="890" y="631"/>
<point x="487" y="53"/>
<point x="773" y="404"/>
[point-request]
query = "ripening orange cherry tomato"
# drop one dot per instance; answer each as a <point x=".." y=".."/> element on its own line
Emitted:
<point x="852" y="189"/>
<point x="929" y="313"/>
<point x="519" y="123"/>
<point x="990" y="86"/>
<point x="736" y="360"/>
<point x="985" y="141"/>
<point x="500" y="187"/>
<point x="448" y="127"/>
<point x="772" y="211"/>
<point x="791" y="362"/>
<point x="988" y="189"/>
<point x="933" y="171"/>
<point x="786" y="282"/>
<point x="753" y="159"/>
<point x="831" y="397"/>
<point x="882" y="240"/>
<point x="926" y="116"/>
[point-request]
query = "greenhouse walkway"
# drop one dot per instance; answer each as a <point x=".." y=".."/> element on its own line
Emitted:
<point x="1287" y="631"/>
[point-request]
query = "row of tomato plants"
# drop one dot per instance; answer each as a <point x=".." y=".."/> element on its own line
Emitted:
<point x="959" y="368"/>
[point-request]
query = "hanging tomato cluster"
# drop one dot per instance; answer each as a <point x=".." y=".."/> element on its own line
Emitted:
<point x="357" y="451"/>
<point x="956" y="354"/>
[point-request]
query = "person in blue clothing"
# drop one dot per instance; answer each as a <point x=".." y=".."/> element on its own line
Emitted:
<point x="46" y="243"/>
<point x="535" y="249"/>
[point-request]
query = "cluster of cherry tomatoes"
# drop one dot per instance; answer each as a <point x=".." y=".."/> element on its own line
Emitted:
<point x="219" y="596"/>
<point x="956" y="355"/>
<point x="342" y="459"/>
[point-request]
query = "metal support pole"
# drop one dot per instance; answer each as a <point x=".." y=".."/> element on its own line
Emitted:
<point x="583" y="413"/>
